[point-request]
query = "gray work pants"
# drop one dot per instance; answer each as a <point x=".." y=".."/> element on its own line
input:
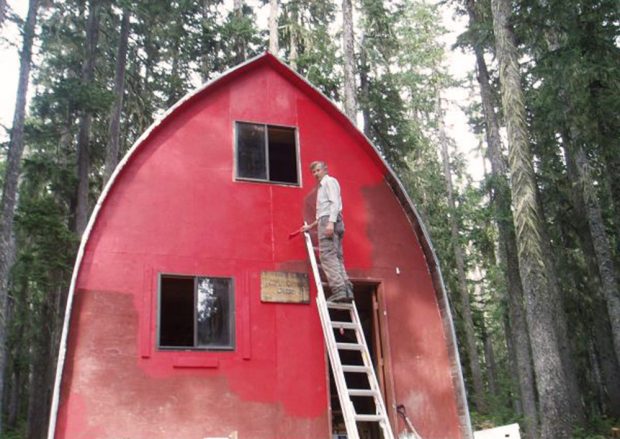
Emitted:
<point x="330" y="253"/>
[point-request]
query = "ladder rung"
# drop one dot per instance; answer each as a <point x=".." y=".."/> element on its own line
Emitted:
<point x="345" y="306"/>
<point x="356" y="369"/>
<point x="345" y="325"/>
<point x="350" y="346"/>
<point x="369" y="418"/>
<point x="362" y="392"/>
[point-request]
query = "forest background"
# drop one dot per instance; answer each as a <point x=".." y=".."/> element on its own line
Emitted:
<point x="529" y="253"/>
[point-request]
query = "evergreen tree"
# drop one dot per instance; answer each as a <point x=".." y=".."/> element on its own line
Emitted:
<point x="478" y="38"/>
<point x="112" y="149"/>
<point x="475" y="364"/>
<point x="84" y="134"/>
<point x="535" y="267"/>
<point x="308" y="45"/>
<point x="10" y="185"/>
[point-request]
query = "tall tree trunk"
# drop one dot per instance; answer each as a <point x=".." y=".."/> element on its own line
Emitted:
<point x="349" y="60"/>
<point x="111" y="158"/>
<point x="489" y="355"/>
<point x="83" y="145"/>
<point x="60" y="302"/>
<point x="2" y="12"/>
<point x="602" y="248"/>
<point x="14" y="400"/>
<point x="40" y="376"/>
<point x="555" y="410"/>
<point x="205" y="68"/>
<point x="487" y="338"/>
<point x="208" y="42"/>
<point x="364" y="88"/>
<point x="604" y="371"/>
<point x="596" y="402"/>
<point x="603" y="352"/>
<point x="10" y="188"/>
<point x="466" y="314"/>
<point x="518" y="331"/>
<point x="274" y="47"/>
<point x="293" y="54"/>
<point x="152" y="52"/>
<point x="517" y="327"/>
<point x="515" y="396"/>
<point x="293" y="17"/>
<point x="240" y="43"/>
<point x="556" y="299"/>
<point x="612" y="174"/>
<point x="174" y="93"/>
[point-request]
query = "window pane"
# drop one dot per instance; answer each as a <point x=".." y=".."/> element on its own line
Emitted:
<point x="282" y="155"/>
<point x="213" y="316"/>
<point x="251" y="151"/>
<point x="176" y="312"/>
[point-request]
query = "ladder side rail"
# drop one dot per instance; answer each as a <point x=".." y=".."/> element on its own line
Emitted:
<point x="372" y="377"/>
<point x="315" y="267"/>
<point x="348" y="411"/>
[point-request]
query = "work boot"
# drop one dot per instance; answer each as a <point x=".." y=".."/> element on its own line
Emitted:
<point x="349" y="292"/>
<point x="349" y="297"/>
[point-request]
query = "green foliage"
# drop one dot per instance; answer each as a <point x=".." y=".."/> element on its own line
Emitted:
<point x="306" y="26"/>
<point x="400" y="65"/>
<point x="567" y="52"/>
<point x="500" y="415"/>
<point x="239" y="38"/>
<point x="480" y="32"/>
<point x="17" y="433"/>
<point x="597" y="428"/>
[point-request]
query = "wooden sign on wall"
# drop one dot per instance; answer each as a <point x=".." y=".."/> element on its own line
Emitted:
<point x="286" y="287"/>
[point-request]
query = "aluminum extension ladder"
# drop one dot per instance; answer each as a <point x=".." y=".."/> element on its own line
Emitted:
<point x="351" y="418"/>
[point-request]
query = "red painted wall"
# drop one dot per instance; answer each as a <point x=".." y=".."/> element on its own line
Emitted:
<point x="175" y="208"/>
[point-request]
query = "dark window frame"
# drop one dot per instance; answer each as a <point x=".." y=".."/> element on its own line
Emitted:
<point x="267" y="180"/>
<point x="195" y="347"/>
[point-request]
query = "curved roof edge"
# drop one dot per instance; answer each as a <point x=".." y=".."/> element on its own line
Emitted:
<point x="397" y="187"/>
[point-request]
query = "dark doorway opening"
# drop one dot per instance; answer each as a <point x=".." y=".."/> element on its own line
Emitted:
<point x="366" y="303"/>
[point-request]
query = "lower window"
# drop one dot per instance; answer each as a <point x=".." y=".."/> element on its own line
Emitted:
<point x="196" y="312"/>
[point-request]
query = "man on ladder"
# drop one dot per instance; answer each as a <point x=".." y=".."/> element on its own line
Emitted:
<point x="330" y="231"/>
<point x="349" y="356"/>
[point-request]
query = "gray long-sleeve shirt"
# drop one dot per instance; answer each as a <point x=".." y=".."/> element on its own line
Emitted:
<point x="328" y="200"/>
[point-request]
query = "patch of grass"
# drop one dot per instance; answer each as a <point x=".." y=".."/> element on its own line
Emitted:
<point x="597" y="428"/>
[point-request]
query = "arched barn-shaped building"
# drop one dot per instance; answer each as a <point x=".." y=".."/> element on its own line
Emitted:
<point x="192" y="313"/>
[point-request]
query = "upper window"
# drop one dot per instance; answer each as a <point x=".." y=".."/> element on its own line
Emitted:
<point x="196" y="312"/>
<point x="266" y="153"/>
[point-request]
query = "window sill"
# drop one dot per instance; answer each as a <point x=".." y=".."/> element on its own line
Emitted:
<point x="196" y="363"/>
<point x="271" y="182"/>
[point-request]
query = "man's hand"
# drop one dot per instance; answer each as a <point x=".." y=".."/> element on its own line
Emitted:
<point x="307" y="227"/>
<point x="329" y="229"/>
